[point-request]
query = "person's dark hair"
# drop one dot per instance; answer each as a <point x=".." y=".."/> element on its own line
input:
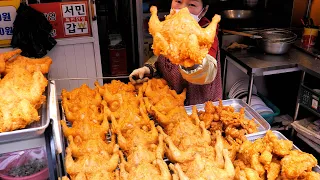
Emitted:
<point x="205" y="2"/>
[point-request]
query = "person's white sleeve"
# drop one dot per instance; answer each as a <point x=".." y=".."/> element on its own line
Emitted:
<point x="205" y="73"/>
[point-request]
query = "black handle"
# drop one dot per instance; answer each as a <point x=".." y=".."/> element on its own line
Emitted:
<point x="137" y="77"/>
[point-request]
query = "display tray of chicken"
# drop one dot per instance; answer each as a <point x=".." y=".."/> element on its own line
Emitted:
<point x="123" y="131"/>
<point x="238" y="106"/>
<point x="283" y="154"/>
<point x="24" y="96"/>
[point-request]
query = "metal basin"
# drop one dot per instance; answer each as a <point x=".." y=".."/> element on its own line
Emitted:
<point x="276" y="41"/>
<point x="237" y="14"/>
<point x="274" y="47"/>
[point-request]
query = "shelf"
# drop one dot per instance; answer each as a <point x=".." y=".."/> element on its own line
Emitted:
<point x="311" y="110"/>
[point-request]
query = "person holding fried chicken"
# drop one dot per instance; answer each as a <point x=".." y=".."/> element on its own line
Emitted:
<point x="202" y="81"/>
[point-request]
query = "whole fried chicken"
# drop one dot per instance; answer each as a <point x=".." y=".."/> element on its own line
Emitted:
<point x="86" y="129"/>
<point x="180" y="38"/>
<point x="161" y="96"/>
<point x="92" y="163"/>
<point x="202" y="168"/>
<point x="157" y="170"/>
<point x="142" y="136"/>
<point x="90" y="146"/>
<point x="145" y="154"/>
<point x="31" y="65"/>
<point x="12" y="59"/>
<point x="21" y="95"/>
<point x="82" y="103"/>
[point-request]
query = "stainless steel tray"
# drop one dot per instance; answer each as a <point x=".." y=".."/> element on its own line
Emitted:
<point x="253" y="137"/>
<point x="263" y="125"/>
<point x="34" y="129"/>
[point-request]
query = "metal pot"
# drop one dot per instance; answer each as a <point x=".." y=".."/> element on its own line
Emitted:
<point x="272" y="41"/>
<point x="276" y="41"/>
<point x="274" y="47"/>
<point x="237" y="14"/>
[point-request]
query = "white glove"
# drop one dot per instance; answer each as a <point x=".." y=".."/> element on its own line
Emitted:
<point x="138" y="75"/>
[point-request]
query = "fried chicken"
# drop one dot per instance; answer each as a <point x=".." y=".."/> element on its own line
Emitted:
<point x="157" y="170"/>
<point x="297" y="163"/>
<point x="145" y="154"/>
<point x="206" y="167"/>
<point x="272" y="158"/>
<point x="82" y="103"/>
<point x="161" y="96"/>
<point x="92" y="163"/>
<point x="180" y="38"/>
<point x="31" y="65"/>
<point x="142" y="136"/>
<point x="232" y="124"/>
<point x="12" y="59"/>
<point x="5" y="57"/>
<point x="280" y="147"/>
<point x="86" y="129"/>
<point x="21" y="96"/>
<point x="80" y="147"/>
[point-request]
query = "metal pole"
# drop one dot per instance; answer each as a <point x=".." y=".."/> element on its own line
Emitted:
<point x="224" y="77"/>
<point x="250" y="89"/>
<point x="139" y="14"/>
<point x="308" y="8"/>
<point x="297" y="104"/>
<point x="298" y="98"/>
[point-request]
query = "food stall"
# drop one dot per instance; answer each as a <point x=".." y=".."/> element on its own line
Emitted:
<point x="62" y="124"/>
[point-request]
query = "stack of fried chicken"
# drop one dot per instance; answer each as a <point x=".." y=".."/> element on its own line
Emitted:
<point x="139" y="148"/>
<point x="89" y="155"/>
<point x="21" y="88"/>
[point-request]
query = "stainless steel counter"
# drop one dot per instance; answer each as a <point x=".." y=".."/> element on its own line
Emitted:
<point x="260" y="64"/>
<point x="254" y="62"/>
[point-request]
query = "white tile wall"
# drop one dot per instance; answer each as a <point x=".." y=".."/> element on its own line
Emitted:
<point x="73" y="61"/>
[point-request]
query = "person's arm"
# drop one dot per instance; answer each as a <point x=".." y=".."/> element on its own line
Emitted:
<point x="151" y="65"/>
<point x="206" y="72"/>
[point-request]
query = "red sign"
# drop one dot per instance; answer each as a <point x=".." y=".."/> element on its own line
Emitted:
<point x="52" y="12"/>
<point x="69" y="19"/>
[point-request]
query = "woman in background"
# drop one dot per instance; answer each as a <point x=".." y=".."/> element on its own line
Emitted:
<point x="202" y="81"/>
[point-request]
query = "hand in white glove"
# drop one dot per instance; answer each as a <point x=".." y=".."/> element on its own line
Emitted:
<point x="139" y="75"/>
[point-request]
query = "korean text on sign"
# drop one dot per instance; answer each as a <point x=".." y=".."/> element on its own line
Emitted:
<point x="74" y="10"/>
<point x="75" y="21"/>
<point x="7" y="17"/>
<point x="5" y="29"/>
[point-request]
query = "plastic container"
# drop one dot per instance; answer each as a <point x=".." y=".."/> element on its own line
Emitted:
<point x="19" y="158"/>
<point x="41" y="175"/>
<point x="276" y="111"/>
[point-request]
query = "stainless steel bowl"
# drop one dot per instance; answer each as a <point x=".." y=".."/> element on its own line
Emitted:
<point x="275" y="47"/>
<point x="237" y="14"/>
<point x="276" y="41"/>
